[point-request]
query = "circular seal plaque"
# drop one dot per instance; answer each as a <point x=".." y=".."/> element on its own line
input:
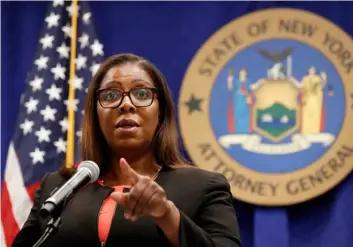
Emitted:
<point x="267" y="101"/>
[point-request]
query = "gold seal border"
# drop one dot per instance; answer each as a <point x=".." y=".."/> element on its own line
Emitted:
<point x="195" y="128"/>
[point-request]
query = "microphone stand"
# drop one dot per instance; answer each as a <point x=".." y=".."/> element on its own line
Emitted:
<point x="53" y="224"/>
<point x="51" y="228"/>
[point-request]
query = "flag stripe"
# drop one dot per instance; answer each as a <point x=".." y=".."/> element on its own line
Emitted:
<point x="2" y="236"/>
<point x="8" y="221"/>
<point x="21" y="202"/>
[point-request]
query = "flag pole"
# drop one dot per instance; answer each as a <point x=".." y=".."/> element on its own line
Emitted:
<point x="71" y="113"/>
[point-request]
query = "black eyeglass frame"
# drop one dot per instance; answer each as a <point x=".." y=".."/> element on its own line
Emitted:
<point x="126" y="93"/>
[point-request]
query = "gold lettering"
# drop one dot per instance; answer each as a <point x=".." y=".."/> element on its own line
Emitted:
<point x="334" y="165"/>
<point x="336" y="47"/>
<point x="235" y="39"/>
<point x="206" y="67"/>
<point x="292" y="187"/>
<point x="257" y="28"/>
<point x="217" y="54"/>
<point x="304" y="183"/>
<point x="297" y="27"/>
<point x="324" y="173"/>
<point x="344" y="153"/>
<point x="207" y="151"/>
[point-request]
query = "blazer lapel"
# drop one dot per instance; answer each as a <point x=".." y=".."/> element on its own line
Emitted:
<point x="83" y="211"/>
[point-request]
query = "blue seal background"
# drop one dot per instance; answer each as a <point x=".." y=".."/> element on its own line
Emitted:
<point x="303" y="57"/>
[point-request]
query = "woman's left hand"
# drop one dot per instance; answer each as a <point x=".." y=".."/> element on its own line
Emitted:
<point x="145" y="198"/>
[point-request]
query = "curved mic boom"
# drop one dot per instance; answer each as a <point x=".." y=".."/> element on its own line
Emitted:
<point x="87" y="172"/>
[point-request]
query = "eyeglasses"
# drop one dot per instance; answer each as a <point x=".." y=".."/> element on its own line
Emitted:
<point x="112" y="97"/>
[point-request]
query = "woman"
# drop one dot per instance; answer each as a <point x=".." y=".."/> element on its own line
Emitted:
<point x="146" y="194"/>
<point x="313" y="103"/>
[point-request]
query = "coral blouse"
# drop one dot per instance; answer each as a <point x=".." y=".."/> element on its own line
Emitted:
<point x="107" y="212"/>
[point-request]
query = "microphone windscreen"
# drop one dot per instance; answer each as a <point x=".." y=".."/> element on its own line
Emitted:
<point x="92" y="167"/>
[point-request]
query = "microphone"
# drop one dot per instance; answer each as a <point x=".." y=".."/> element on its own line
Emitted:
<point x="87" y="172"/>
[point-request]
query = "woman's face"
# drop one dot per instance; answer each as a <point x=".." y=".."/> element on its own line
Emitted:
<point x="133" y="122"/>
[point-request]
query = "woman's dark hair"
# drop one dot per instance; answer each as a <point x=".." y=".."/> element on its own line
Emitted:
<point x="165" y="142"/>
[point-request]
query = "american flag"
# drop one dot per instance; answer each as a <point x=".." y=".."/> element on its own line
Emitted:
<point x="39" y="142"/>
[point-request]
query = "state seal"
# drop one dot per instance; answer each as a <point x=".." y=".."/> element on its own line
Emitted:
<point x="268" y="101"/>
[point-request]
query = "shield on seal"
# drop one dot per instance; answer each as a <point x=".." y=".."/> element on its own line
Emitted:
<point x="276" y="109"/>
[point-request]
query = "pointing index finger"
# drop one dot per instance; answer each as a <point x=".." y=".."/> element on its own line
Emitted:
<point x="128" y="172"/>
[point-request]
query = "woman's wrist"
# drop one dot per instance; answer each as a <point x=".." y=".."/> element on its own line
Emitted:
<point x="169" y="223"/>
<point x="171" y="215"/>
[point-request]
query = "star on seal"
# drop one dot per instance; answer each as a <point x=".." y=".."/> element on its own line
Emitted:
<point x="193" y="104"/>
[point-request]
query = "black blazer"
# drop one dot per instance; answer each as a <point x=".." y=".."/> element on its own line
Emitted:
<point x="203" y="198"/>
